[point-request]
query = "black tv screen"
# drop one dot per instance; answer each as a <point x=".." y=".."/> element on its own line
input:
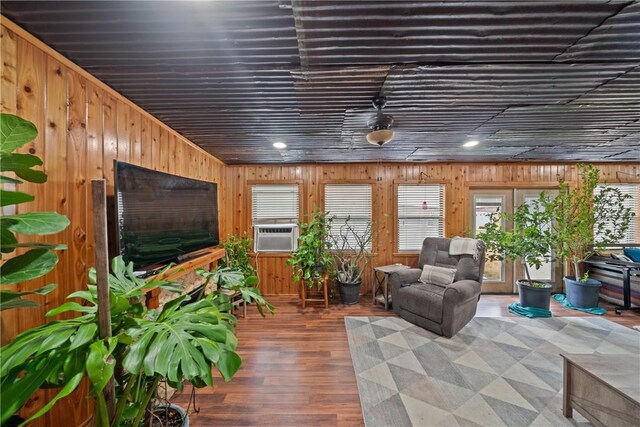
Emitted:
<point x="161" y="217"/>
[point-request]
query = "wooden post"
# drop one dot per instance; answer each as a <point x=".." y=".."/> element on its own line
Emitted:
<point x="99" y="207"/>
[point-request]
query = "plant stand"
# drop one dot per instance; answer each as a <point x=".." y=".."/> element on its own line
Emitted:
<point x="325" y="292"/>
<point x="236" y="301"/>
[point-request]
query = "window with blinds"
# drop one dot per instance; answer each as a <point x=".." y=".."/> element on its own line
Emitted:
<point x="420" y="214"/>
<point x="274" y="204"/>
<point x="633" y="190"/>
<point x="348" y="200"/>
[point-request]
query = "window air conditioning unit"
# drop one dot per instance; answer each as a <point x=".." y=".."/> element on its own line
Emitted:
<point x="275" y="237"/>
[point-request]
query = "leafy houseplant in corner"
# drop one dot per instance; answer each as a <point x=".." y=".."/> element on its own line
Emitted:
<point x="529" y="241"/>
<point x="586" y="219"/>
<point x="38" y="258"/>
<point x="311" y="261"/>
<point x="237" y="250"/>
<point x="351" y="246"/>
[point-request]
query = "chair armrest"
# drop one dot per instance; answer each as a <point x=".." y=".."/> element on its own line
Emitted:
<point x="404" y="276"/>
<point x="399" y="278"/>
<point x="462" y="290"/>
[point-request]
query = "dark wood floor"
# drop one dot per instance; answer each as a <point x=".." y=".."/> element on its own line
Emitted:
<point x="297" y="367"/>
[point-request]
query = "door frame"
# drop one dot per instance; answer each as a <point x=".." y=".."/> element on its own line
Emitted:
<point x="506" y="285"/>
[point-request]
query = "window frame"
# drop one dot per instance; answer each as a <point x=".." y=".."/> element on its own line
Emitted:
<point x="636" y="218"/>
<point x="446" y="184"/>
<point x="249" y="200"/>
<point x="369" y="182"/>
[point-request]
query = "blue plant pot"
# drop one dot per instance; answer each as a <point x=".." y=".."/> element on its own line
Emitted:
<point x="583" y="295"/>
<point x="532" y="296"/>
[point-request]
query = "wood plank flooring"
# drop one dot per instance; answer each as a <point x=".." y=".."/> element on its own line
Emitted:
<point x="297" y="367"/>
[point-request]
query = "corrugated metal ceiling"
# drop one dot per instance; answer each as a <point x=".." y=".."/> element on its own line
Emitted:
<point x="533" y="80"/>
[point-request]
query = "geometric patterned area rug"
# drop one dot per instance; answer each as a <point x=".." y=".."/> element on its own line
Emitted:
<point x="496" y="371"/>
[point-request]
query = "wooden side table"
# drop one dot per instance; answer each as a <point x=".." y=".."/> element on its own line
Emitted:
<point x="380" y="283"/>
<point x="325" y="291"/>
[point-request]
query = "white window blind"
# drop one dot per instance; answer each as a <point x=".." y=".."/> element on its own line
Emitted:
<point x="633" y="190"/>
<point x="274" y="203"/>
<point x="348" y="200"/>
<point x="420" y="214"/>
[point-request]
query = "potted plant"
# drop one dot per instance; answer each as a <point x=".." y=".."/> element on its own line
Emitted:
<point x="312" y="259"/>
<point x="351" y="256"/>
<point x="528" y="241"/>
<point x="585" y="220"/>
<point x="236" y="256"/>
<point x="181" y="342"/>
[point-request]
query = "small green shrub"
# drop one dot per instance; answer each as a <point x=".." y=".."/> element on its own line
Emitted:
<point x="312" y="260"/>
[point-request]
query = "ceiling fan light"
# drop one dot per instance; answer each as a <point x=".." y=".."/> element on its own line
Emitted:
<point x="380" y="137"/>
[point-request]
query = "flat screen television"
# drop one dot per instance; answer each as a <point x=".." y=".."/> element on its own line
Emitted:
<point x="162" y="217"/>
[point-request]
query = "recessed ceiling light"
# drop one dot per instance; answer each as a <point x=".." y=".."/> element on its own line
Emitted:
<point x="279" y="145"/>
<point x="471" y="143"/>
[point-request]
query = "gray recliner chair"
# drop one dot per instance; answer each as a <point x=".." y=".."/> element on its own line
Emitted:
<point x="442" y="310"/>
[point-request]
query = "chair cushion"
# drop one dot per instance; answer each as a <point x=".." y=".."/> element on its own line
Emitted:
<point x="435" y="275"/>
<point x="633" y="253"/>
<point x="423" y="300"/>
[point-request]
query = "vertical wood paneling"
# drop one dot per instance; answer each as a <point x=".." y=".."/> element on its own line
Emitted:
<point x="275" y="276"/>
<point x="83" y="126"/>
<point x="55" y="165"/>
<point x="77" y="183"/>
<point x="122" y="126"/>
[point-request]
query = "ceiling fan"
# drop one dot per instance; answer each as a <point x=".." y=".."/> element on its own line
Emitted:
<point x="381" y="124"/>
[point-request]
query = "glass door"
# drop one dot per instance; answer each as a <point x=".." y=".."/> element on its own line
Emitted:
<point x="550" y="271"/>
<point x="498" y="275"/>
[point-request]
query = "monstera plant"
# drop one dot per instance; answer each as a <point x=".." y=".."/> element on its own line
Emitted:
<point x="32" y="259"/>
<point x="181" y="342"/>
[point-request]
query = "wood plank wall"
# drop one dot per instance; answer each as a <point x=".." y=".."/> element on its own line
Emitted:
<point x="83" y="126"/>
<point x="275" y="275"/>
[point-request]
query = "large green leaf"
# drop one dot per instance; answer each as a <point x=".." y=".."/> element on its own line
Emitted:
<point x="100" y="366"/>
<point x="7" y="240"/>
<point x="229" y="364"/>
<point x="37" y="222"/>
<point x="33" y="245"/>
<point x="16" y="390"/>
<point x="14" y="197"/>
<point x="85" y="334"/>
<point x="17" y="303"/>
<point x="12" y="299"/>
<point x="68" y="388"/>
<point x="71" y="306"/>
<point x="183" y="343"/>
<point x="21" y="165"/>
<point x="15" y="132"/>
<point x="32" y="264"/>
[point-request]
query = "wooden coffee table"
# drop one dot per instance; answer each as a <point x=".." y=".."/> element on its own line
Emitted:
<point x="605" y="389"/>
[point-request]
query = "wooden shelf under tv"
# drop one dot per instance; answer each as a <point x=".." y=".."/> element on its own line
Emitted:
<point x="206" y="257"/>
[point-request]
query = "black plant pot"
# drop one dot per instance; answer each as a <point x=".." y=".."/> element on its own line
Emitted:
<point x="349" y="292"/>
<point x="583" y="295"/>
<point x="533" y="296"/>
